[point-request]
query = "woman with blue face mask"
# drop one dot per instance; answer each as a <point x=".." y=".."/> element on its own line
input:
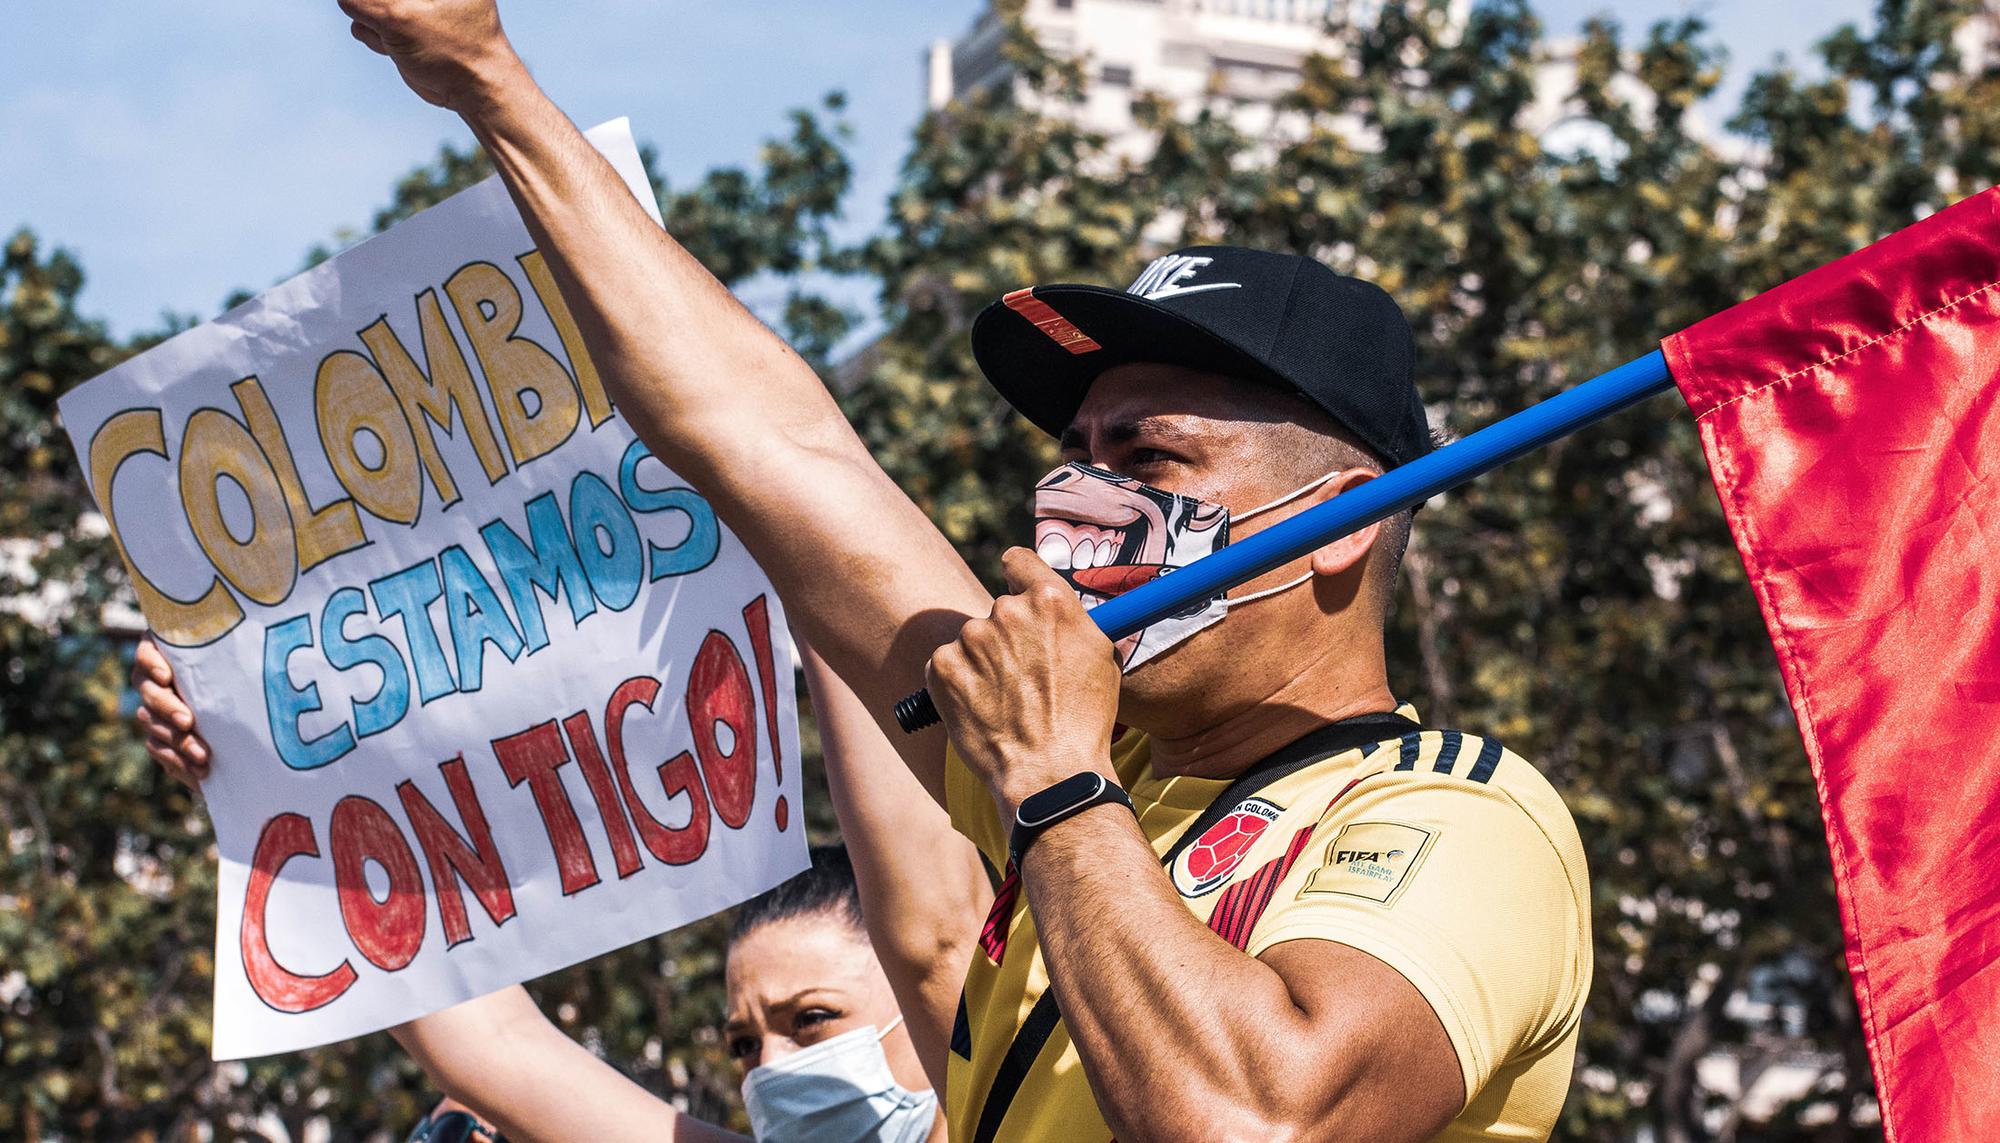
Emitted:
<point x="811" y="1023"/>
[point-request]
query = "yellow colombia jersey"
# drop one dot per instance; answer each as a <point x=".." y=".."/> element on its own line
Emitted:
<point x="1441" y="854"/>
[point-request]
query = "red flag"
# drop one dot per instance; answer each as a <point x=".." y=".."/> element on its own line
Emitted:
<point x="1851" y="420"/>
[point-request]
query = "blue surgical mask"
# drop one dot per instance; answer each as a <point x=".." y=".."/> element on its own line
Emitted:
<point x="837" y="1091"/>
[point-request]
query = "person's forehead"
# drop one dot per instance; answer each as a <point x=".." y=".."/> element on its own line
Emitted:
<point x="1164" y="396"/>
<point x="781" y="958"/>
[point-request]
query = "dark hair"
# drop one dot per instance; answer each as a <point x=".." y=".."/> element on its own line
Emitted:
<point x="826" y="887"/>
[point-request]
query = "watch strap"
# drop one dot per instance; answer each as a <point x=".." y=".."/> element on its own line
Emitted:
<point x="1060" y="802"/>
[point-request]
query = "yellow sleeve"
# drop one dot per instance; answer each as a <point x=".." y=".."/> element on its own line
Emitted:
<point x="974" y="813"/>
<point x="1477" y="901"/>
<point x="972" y="809"/>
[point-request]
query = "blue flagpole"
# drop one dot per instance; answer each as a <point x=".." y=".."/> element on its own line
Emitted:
<point x="1392" y="492"/>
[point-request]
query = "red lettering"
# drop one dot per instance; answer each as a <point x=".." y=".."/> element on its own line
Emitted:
<point x="283" y="838"/>
<point x="677" y="775"/>
<point x="583" y="744"/>
<point x="390" y="931"/>
<point x="718" y="691"/>
<point x="757" y="617"/>
<point x="533" y="756"/>
<point x="453" y="859"/>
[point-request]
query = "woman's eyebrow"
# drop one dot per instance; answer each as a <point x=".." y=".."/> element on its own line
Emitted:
<point x="797" y="999"/>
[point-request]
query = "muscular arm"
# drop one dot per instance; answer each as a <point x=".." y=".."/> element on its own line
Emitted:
<point x="1313" y="1040"/>
<point x="923" y="890"/>
<point x="715" y="395"/>
<point x="501" y="1057"/>
<point x="1182" y="1035"/>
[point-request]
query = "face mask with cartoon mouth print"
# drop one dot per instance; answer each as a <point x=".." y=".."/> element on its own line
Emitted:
<point x="1107" y="534"/>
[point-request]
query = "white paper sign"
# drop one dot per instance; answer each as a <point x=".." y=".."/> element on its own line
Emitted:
<point x="490" y="690"/>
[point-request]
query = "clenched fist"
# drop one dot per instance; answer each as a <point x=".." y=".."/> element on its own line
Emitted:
<point x="1030" y="694"/>
<point x="451" y="52"/>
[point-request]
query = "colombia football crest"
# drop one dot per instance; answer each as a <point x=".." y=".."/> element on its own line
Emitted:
<point x="1207" y="864"/>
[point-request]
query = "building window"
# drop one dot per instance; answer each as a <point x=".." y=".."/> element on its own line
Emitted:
<point x="1115" y="75"/>
<point x="1065" y="5"/>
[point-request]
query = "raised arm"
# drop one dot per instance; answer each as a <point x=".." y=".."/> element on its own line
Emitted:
<point x="715" y="395"/>
<point x="924" y="892"/>
<point x="501" y="1057"/>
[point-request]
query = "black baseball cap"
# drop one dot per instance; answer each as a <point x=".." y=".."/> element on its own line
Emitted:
<point x="1279" y="318"/>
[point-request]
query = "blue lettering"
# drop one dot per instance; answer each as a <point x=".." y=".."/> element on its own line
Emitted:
<point x="546" y="562"/>
<point x="475" y="615"/>
<point x="409" y="594"/>
<point x="392" y="698"/>
<point x="285" y="702"/>
<point x="704" y="539"/>
<point x="614" y="557"/>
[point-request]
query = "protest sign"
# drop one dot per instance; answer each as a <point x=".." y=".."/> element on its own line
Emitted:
<point x="490" y="691"/>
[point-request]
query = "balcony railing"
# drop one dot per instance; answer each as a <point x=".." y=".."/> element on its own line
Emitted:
<point x="1276" y="11"/>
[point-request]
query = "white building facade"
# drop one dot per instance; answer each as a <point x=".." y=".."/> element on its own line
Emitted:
<point x="1241" y="54"/>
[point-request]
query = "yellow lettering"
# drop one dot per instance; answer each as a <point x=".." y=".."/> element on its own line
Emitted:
<point x="323" y="532"/>
<point x="431" y="399"/>
<point x="351" y="396"/>
<point x="489" y="307"/>
<point x="128" y="434"/>
<point x="595" y="403"/>
<point x="263" y="564"/>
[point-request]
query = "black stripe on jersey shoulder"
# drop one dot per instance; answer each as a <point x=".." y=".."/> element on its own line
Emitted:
<point x="1447" y="752"/>
<point x="1489" y="757"/>
<point x="1413" y="743"/>
<point x="1451" y="745"/>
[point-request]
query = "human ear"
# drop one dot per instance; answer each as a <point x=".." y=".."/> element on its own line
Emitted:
<point x="1347" y="553"/>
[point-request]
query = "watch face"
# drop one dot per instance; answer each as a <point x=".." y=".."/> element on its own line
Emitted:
<point x="1039" y="809"/>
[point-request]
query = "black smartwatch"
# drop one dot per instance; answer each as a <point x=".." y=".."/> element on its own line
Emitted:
<point x="1065" y="799"/>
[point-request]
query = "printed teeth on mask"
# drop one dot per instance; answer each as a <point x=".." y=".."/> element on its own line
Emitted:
<point x="1076" y="547"/>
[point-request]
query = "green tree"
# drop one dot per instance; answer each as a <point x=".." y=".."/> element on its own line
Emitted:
<point x="1586" y="605"/>
<point x="106" y="913"/>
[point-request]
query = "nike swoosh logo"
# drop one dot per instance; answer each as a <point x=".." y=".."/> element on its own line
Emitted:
<point x="1177" y="291"/>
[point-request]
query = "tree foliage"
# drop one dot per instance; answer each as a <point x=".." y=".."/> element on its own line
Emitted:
<point x="1585" y="605"/>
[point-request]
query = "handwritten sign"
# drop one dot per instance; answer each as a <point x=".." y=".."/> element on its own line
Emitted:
<point x="490" y="690"/>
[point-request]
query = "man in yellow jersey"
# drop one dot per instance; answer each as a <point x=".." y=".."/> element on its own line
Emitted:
<point x="1276" y="906"/>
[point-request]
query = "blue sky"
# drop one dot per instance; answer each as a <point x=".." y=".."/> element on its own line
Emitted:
<point x="183" y="150"/>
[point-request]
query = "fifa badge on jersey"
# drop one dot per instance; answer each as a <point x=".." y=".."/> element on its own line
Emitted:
<point x="1206" y="865"/>
<point x="1371" y="860"/>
